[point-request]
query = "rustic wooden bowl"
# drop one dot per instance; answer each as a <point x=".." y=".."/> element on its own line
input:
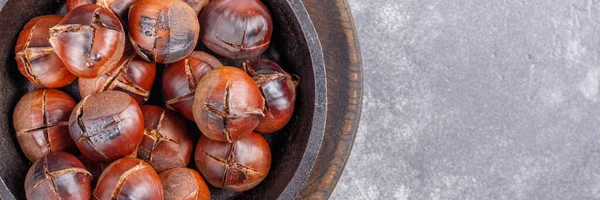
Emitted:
<point x="295" y="46"/>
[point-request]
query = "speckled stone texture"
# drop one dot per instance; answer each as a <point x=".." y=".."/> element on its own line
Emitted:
<point x="471" y="99"/>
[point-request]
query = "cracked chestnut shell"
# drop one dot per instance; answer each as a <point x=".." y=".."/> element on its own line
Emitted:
<point x="181" y="78"/>
<point x="184" y="184"/>
<point x="236" y="29"/>
<point x="167" y="143"/>
<point x="89" y="40"/>
<point x="164" y="31"/>
<point x="129" y="178"/>
<point x="228" y="104"/>
<point x="58" y="176"/>
<point x="237" y="166"/>
<point x="132" y="75"/>
<point x="279" y="90"/>
<point x="36" y="58"/>
<point x="107" y="126"/>
<point x="41" y="121"/>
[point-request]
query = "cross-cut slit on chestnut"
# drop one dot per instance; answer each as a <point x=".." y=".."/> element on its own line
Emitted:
<point x="88" y="48"/>
<point x="42" y="180"/>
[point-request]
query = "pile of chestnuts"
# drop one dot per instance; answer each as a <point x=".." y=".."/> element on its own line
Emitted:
<point x="104" y="141"/>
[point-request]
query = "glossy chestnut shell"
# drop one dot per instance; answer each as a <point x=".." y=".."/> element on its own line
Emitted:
<point x="129" y="178"/>
<point x="41" y="121"/>
<point x="36" y="58"/>
<point x="236" y="29"/>
<point x="132" y="75"/>
<point x="58" y="176"/>
<point x="89" y="40"/>
<point x="237" y="166"/>
<point x="279" y="90"/>
<point x="167" y="143"/>
<point x="107" y="126"/>
<point x="164" y="31"/>
<point x="184" y="184"/>
<point x="228" y="104"/>
<point x="181" y="78"/>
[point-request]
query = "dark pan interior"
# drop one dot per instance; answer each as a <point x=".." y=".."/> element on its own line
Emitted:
<point x="294" y="46"/>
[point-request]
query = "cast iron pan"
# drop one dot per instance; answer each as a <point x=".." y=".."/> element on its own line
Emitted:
<point x="295" y="46"/>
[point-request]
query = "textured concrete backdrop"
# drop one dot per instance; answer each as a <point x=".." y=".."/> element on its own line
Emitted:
<point x="470" y="99"/>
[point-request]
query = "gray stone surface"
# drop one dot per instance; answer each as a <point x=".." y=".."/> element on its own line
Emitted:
<point x="472" y="99"/>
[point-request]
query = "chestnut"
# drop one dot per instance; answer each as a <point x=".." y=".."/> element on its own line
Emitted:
<point x="183" y="184"/>
<point x="40" y="120"/>
<point x="228" y="104"/>
<point x="279" y="90"/>
<point x="164" y="31"/>
<point x="197" y="5"/>
<point x="89" y="40"/>
<point x="236" y="29"/>
<point x="36" y="58"/>
<point x="107" y="126"/>
<point x="167" y="143"/>
<point x="181" y="78"/>
<point x="129" y="178"/>
<point x="58" y="176"/>
<point x="237" y="166"/>
<point x="132" y="75"/>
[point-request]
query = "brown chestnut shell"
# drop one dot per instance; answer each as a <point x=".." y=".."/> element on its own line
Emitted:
<point x="35" y="57"/>
<point x="163" y="31"/>
<point x="236" y="166"/>
<point x="89" y="40"/>
<point x="167" y="143"/>
<point x="228" y="104"/>
<point x="184" y="184"/>
<point x="58" y="176"/>
<point x="279" y="90"/>
<point x="132" y="75"/>
<point x="129" y="178"/>
<point x="41" y="121"/>
<point x="181" y="78"/>
<point x="107" y="126"/>
<point x="236" y="29"/>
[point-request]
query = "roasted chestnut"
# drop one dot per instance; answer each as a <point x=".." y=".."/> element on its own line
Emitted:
<point x="41" y="121"/>
<point x="89" y="40"/>
<point x="228" y="104"/>
<point x="197" y="5"/>
<point x="107" y="126"/>
<point x="279" y="90"/>
<point x="236" y="29"/>
<point x="181" y="78"/>
<point x="58" y="176"/>
<point x="129" y="178"/>
<point x="183" y="184"/>
<point x="237" y="166"/>
<point x="164" y="31"/>
<point x="167" y="143"/>
<point x="132" y="75"/>
<point x="36" y="58"/>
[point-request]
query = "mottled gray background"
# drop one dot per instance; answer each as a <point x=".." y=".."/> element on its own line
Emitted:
<point x="477" y="99"/>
